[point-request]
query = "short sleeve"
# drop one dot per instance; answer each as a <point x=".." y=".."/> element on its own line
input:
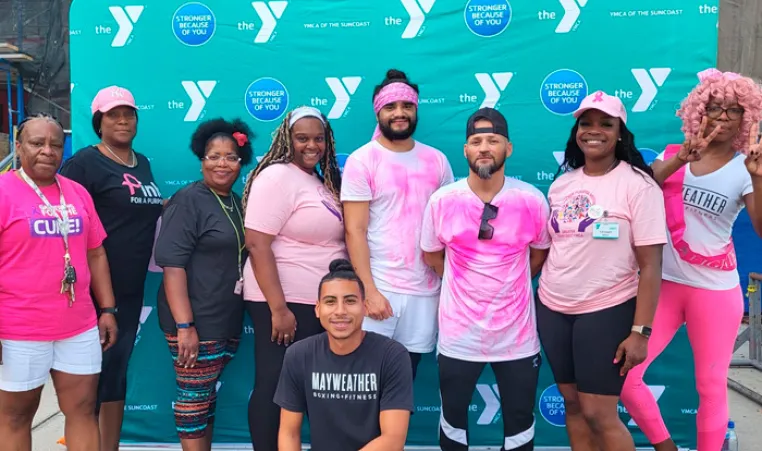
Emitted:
<point x="290" y="392"/>
<point x="271" y="202"/>
<point x="97" y="233"/>
<point x="648" y="218"/>
<point x="429" y="233"/>
<point x="542" y="216"/>
<point x="177" y="237"/>
<point x="397" y="379"/>
<point x="447" y="174"/>
<point x="355" y="181"/>
<point x="74" y="170"/>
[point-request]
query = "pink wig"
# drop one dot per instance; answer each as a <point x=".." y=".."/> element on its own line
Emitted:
<point x="724" y="88"/>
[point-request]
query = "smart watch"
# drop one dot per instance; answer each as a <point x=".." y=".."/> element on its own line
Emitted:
<point x="185" y="325"/>
<point x="642" y="330"/>
<point x="111" y="310"/>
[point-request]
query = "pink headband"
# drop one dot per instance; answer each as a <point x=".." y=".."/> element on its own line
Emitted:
<point x="393" y="92"/>
<point x="714" y="73"/>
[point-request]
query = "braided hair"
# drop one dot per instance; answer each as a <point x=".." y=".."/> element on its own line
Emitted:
<point x="32" y="117"/>
<point x="282" y="152"/>
<point x="625" y="150"/>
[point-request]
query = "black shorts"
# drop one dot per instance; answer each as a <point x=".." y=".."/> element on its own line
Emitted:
<point x="580" y="349"/>
<point x="112" y="384"/>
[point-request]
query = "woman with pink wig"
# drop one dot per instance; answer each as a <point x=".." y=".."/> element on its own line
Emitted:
<point x="706" y="180"/>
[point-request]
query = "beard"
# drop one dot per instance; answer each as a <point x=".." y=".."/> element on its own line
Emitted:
<point x="398" y="135"/>
<point x="485" y="171"/>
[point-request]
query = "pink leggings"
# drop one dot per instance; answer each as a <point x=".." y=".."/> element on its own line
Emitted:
<point x="712" y="319"/>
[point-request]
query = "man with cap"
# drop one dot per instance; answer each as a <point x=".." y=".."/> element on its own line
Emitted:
<point x="486" y="235"/>
<point x="385" y="186"/>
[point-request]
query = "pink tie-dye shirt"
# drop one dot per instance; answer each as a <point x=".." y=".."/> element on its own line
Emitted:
<point x="397" y="185"/>
<point x="486" y="309"/>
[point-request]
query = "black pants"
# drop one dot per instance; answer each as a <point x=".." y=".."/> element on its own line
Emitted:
<point x="516" y="390"/>
<point x="264" y="414"/>
<point x="580" y="349"/>
<point x="112" y="382"/>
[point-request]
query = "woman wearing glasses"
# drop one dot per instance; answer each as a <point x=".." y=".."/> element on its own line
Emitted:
<point x="600" y="283"/>
<point x="706" y="182"/>
<point x="201" y="250"/>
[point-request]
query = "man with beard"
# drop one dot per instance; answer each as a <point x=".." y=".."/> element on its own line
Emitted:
<point x="487" y="237"/>
<point x="385" y="187"/>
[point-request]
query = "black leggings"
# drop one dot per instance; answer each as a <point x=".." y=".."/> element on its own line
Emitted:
<point x="515" y="395"/>
<point x="264" y="414"/>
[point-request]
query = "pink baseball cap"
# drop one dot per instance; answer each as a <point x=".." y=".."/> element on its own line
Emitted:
<point x="601" y="101"/>
<point x="112" y="97"/>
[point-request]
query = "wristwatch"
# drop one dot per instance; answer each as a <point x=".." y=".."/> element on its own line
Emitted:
<point x="111" y="310"/>
<point x="642" y="330"/>
<point x="185" y="325"/>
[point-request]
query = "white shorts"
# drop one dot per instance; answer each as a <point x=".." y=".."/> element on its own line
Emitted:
<point x="414" y="324"/>
<point x="27" y="364"/>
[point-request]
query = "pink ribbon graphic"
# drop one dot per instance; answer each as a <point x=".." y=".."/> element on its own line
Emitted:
<point x="598" y="97"/>
<point x="131" y="182"/>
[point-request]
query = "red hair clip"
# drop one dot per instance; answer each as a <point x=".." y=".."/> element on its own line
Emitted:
<point x="240" y="138"/>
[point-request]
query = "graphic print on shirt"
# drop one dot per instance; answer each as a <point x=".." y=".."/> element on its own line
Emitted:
<point x="345" y="386"/>
<point x="140" y="193"/>
<point x="574" y="210"/>
<point x="329" y="202"/>
<point x="46" y="223"/>
<point x="704" y="202"/>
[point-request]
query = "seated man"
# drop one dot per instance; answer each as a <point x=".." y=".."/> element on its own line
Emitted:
<point x="355" y="386"/>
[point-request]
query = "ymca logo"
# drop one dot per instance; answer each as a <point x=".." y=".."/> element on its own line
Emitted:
<point x="650" y="81"/>
<point x="417" y="10"/>
<point x="144" y="314"/>
<point x="199" y="93"/>
<point x="572" y="10"/>
<point x="491" y="397"/>
<point x="342" y="89"/>
<point x="126" y="18"/>
<point x="493" y="86"/>
<point x="269" y="13"/>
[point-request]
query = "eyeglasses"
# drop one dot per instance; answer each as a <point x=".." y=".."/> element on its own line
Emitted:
<point x="485" y="229"/>
<point x="733" y="113"/>
<point x="232" y="159"/>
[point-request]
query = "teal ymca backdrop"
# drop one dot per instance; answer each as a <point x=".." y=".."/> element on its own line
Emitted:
<point x="533" y="60"/>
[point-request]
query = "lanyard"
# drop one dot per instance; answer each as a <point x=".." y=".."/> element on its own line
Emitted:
<point x="237" y="235"/>
<point x="63" y="219"/>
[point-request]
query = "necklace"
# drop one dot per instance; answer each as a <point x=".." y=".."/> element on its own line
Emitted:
<point x="230" y="208"/>
<point x="613" y="165"/>
<point x="132" y="154"/>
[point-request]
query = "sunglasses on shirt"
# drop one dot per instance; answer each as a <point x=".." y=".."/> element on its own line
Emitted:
<point x="485" y="228"/>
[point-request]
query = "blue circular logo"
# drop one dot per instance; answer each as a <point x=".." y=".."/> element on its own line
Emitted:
<point x="649" y="155"/>
<point x="194" y="24"/>
<point x="562" y="91"/>
<point x="487" y="18"/>
<point x="552" y="406"/>
<point x="341" y="159"/>
<point x="266" y="99"/>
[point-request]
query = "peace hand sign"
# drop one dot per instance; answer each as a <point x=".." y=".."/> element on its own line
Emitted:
<point x="753" y="163"/>
<point x="694" y="145"/>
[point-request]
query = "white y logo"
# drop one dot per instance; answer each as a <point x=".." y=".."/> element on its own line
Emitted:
<point x="656" y="391"/>
<point x="199" y="93"/>
<point x="559" y="156"/>
<point x="126" y="18"/>
<point x="649" y="85"/>
<point x="269" y="13"/>
<point x="571" y="14"/>
<point x="493" y="86"/>
<point x="417" y="10"/>
<point x="491" y="397"/>
<point x="342" y="90"/>
<point x="144" y="314"/>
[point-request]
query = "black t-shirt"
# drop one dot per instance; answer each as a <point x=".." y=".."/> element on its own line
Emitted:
<point x="128" y="203"/>
<point x="343" y="395"/>
<point x="197" y="235"/>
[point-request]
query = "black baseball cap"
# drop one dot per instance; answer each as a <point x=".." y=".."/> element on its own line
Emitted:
<point x="499" y="124"/>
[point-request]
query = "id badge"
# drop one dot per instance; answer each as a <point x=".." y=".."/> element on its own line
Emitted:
<point x="238" y="287"/>
<point x="606" y="230"/>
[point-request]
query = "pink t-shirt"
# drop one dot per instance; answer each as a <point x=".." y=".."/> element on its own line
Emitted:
<point x="583" y="273"/>
<point x="308" y="226"/>
<point x="486" y="309"/>
<point x="32" y="264"/>
<point x="397" y="186"/>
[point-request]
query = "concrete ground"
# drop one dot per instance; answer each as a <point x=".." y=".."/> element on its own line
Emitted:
<point x="49" y="428"/>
